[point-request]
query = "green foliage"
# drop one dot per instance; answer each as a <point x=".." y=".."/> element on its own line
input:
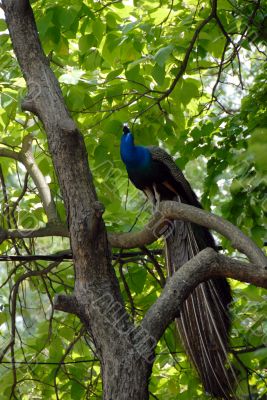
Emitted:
<point x="115" y="63"/>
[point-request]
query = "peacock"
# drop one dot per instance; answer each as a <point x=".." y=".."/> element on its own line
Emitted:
<point x="204" y="322"/>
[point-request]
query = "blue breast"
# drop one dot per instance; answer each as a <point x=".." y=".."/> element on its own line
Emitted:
<point x="136" y="158"/>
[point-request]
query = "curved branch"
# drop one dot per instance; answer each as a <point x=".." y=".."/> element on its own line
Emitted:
<point x="66" y="303"/>
<point x="25" y="156"/>
<point x="51" y="230"/>
<point x="38" y="178"/>
<point x="205" y="265"/>
<point x="10" y="154"/>
<point x="171" y="210"/>
<point x="168" y="211"/>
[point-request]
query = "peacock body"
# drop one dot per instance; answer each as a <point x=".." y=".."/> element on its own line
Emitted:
<point x="204" y="321"/>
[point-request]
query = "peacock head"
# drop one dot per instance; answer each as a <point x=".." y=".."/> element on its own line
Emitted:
<point x="125" y="129"/>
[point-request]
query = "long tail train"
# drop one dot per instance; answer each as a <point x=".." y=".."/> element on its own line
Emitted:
<point x="204" y="320"/>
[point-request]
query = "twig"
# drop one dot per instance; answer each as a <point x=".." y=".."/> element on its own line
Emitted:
<point x="61" y="362"/>
<point x="154" y="261"/>
<point x="127" y="290"/>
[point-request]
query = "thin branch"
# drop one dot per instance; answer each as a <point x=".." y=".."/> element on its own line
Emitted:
<point x="24" y="189"/>
<point x="38" y="178"/>
<point x="6" y="210"/>
<point x="110" y="3"/>
<point x="50" y="363"/>
<point x="168" y="15"/>
<point x="219" y="72"/>
<point x="51" y="230"/>
<point x="25" y="156"/>
<point x="127" y="289"/>
<point x="61" y="362"/>
<point x="14" y="294"/>
<point x="9" y="154"/>
<point x="154" y="261"/>
<point x="65" y="255"/>
<point x="5" y="196"/>
<point x="189" y="50"/>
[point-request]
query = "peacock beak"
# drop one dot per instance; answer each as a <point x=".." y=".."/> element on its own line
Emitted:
<point x="125" y="129"/>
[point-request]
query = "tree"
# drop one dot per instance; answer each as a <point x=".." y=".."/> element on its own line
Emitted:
<point x="155" y="65"/>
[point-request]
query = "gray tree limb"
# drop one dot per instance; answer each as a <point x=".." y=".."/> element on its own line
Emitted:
<point x="168" y="211"/>
<point x="171" y="210"/>
<point x="25" y="156"/>
<point x="205" y="265"/>
<point x="38" y="178"/>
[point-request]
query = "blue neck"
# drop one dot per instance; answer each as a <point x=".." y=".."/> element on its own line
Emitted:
<point x="134" y="157"/>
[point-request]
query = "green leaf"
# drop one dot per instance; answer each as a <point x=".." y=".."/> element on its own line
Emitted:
<point x="66" y="16"/>
<point x="158" y="74"/>
<point x="129" y="27"/>
<point x="62" y="48"/>
<point x="163" y="54"/>
<point x="110" y="50"/>
<point x="77" y="390"/>
<point x="225" y="5"/>
<point x="3" y="26"/>
<point x="86" y="42"/>
<point x="136" y="278"/>
<point x="98" y="29"/>
<point x="134" y="75"/>
<point x="53" y="35"/>
<point x="257" y="148"/>
<point x="111" y="19"/>
<point x="112" y="127"/>
<point x="72" y="77"/>
<point x="3" y="317"/>
<point x="93" y="59"/>
<point x="55" y="349"/>
<point x="189" y="90"/>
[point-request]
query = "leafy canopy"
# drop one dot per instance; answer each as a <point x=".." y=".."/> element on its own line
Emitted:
<point x="192" y="85"/>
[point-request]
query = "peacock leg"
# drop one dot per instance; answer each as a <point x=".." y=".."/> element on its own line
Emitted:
<point x="157" y="197"/>
<point x="149" y="194"/>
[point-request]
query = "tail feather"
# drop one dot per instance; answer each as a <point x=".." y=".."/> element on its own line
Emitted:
<point x="204" y="318"/>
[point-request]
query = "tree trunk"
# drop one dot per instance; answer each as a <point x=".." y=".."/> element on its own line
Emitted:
<point x="96" y="298"/>
<point x="128" y="379"/>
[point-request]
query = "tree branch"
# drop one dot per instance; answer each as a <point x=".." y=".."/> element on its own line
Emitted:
<point x="51" y="230"/>
<point x="205" y="265"/>
<point x="171" y="210"/>
<point x="189" y="50"/>
<point x="9" y="154"/>
<point x="25" y="156"/>
<point x="65" y="303"/>
<point x="28" y="160"/>
<point x="168" y="211"/>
